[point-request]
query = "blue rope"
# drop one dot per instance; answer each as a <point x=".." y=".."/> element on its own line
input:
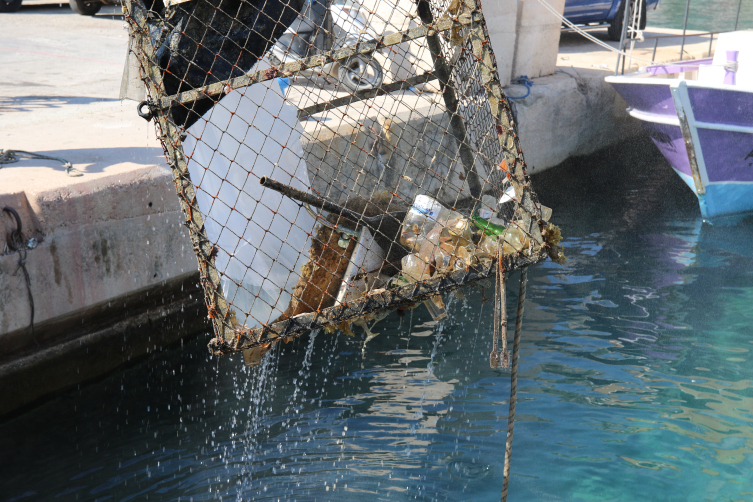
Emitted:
<point x="522" y="80"/>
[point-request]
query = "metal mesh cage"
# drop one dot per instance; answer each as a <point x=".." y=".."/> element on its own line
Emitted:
<point x="334" y="159"/>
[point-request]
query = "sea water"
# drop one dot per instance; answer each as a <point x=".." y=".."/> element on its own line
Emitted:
<point x="703" y="15"/>
<point x="636" y="383"/>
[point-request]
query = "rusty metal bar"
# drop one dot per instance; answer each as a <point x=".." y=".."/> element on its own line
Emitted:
<point x="289" y="69"/>
<point x="505" y="125"/>
<point x="656" y="46"/>
<point x="711" y="42"/>
<point x="684" y="29"/>
<point x="399" y="85"/>
<point x="385" y="227"/>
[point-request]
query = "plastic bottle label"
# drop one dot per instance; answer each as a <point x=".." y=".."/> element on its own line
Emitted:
<point x="428" y="206"/>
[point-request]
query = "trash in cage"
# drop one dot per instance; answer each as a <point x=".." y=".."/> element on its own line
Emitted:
<point x="335" y="159"/>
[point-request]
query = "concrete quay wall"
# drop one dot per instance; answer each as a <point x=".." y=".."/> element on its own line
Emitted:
<point x="571" y="113"/>
<point x="100" y="238"/>
<point x="113" y="275"/>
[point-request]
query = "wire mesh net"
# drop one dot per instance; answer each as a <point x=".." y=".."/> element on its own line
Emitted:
<point x="335" y="159"/>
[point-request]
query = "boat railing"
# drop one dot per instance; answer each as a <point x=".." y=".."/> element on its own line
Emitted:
<point x="684" y="36"/>
<point x="711" y="34"/>
<point x="658" y="38"/>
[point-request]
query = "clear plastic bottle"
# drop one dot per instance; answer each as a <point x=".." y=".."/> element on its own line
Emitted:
<point x="441" y="240"/>
<point x="417" y="269"/>
<point x="425" y="213"/>
<point x="436" y="308"/>
<point x="546" y="212"/>
<point x="488" y="245"/>
<point x="514" y="240"/>
<point x="487" y="207"/>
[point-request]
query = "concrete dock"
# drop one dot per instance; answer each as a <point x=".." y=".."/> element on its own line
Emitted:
<point x="113" y="262"/>
<point x="114" y="276"/>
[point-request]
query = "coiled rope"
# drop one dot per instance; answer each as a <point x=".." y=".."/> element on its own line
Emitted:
<point x="13" y="156"/>
<point x="514" y="381"/>
<point x="522" y="80"/>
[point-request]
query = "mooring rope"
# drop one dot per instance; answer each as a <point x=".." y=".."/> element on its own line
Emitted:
<point x="522" y="80"/>
<point x="514" y="381"/>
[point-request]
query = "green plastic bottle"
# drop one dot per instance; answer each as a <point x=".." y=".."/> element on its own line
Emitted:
<point x="488" y="227"/>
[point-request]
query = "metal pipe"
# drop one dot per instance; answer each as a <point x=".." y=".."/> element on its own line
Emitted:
<point x="367" y="94"/>
<point x="677" y="36"/>
<point x="329" y="27"/>
<point x="316" y="201"/>
<point x="710" y="43"/>
<point x="386" y="227"/>
<point x="684" y="28"/>
<point x="622" y="38"/>
<point x="656" y="45"/>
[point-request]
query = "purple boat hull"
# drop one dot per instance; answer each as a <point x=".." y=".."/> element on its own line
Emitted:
<point x="704" y="131"/>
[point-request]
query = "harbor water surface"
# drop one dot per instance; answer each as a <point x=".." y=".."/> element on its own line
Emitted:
<point x="636" y="383"/>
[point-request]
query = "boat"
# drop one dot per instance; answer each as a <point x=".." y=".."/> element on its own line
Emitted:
<point x="699" y="113"/>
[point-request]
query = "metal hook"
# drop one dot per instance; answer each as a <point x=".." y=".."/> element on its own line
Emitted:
<point x="149" y="114"/>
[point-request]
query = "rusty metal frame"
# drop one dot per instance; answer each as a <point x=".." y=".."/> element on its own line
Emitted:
<point x="399" y="85"/>
<point x="389" y="299"/>
<point x="229" y="336"/>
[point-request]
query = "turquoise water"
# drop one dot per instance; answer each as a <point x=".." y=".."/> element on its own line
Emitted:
<point x="704" y="15"/>
<point x="636" y="383"/>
